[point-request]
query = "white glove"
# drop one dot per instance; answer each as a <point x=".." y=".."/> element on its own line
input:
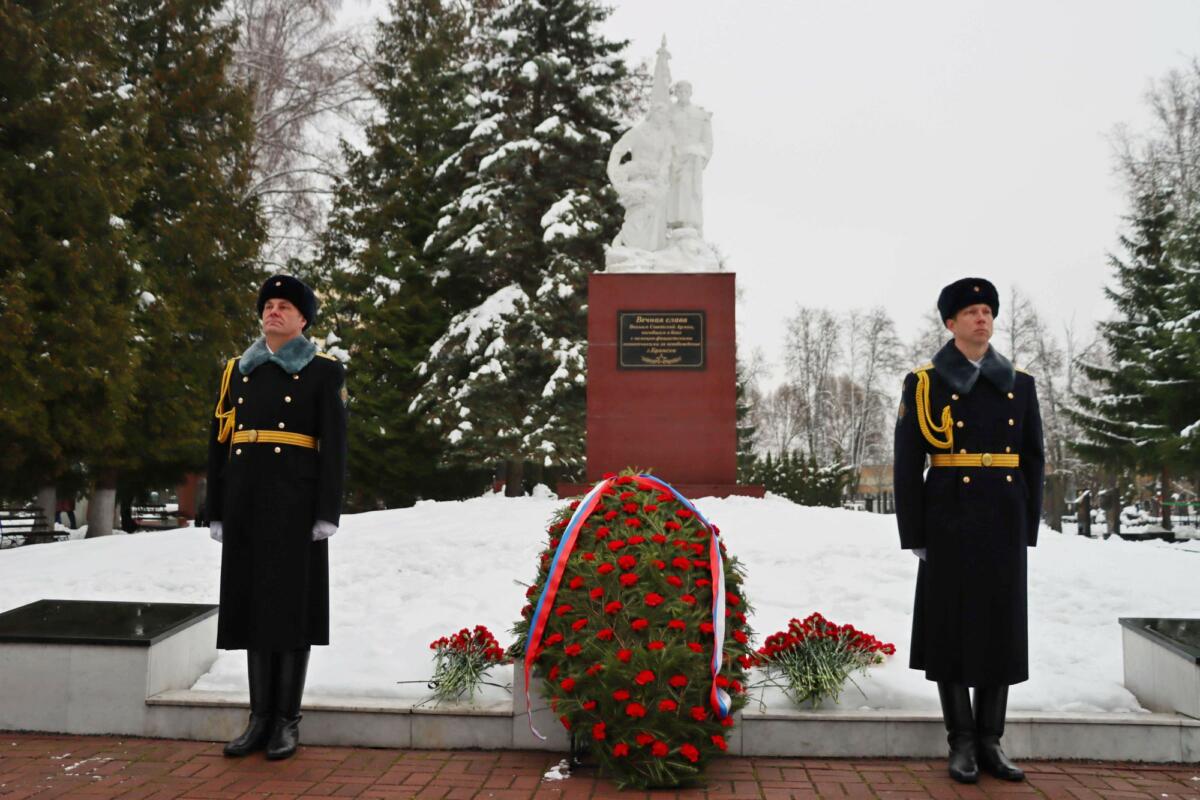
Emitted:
<point x="919" y="552"/>
<point x="323" y="530"/>
<point x="214" y="530"/>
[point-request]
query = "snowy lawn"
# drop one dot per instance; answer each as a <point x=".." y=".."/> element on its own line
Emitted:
<point x="400" y="579"/>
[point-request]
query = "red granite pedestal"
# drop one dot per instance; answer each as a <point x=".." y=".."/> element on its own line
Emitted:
<point x="678" y="422"/>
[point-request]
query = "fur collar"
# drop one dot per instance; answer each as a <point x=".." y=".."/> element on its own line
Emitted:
<point x="292" y="357"/>
<point x="961" y="374"/>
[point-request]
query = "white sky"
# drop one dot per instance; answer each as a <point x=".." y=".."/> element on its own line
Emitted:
<point x="870" y="152"/>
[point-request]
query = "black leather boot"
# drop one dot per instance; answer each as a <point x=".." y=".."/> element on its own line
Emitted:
<point x="258" y="729"/>
<point x="289" y="688"/>
<point x="991" y="704"/>
<point x="960" y="730"/>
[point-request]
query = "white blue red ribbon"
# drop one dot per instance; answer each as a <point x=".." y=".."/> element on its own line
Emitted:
<point x="718" y="698"/>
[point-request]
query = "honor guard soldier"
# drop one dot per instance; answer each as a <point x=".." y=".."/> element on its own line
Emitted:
<point x="276" y="464"/>
<point x="969" y="518"/>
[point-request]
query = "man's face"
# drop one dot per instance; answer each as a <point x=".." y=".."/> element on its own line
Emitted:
<point x="972" y="324"/>
<point x="281" y="318"/>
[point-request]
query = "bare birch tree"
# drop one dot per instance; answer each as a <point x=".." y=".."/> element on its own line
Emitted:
<point x="306" y="77"/>
<point x="811" y="352"/>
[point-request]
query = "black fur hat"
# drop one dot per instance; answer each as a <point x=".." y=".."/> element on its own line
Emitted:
<point x="295" y="291"/>
<point x="967" y="292"/>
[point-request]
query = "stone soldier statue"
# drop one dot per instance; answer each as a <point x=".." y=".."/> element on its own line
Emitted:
<point x="276" y="464"/>
<point x="970" y="520"/>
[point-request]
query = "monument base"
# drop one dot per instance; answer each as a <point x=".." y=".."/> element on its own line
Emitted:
<point x="688" y="490"/>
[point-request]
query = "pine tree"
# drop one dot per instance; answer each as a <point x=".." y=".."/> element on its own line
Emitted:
<point x="71" y="157"/>
<point x="383" y="304"/>
<point x="197" y="235"/>
<point x="1137" y="419"/>
<point x="505" y="383"/>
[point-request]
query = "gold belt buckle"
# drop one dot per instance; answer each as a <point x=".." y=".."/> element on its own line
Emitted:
<point x="986" y="459"/>
<point x="252" y="435"/>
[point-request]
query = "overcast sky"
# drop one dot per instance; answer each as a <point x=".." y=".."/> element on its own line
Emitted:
<point x="867" y="153"/>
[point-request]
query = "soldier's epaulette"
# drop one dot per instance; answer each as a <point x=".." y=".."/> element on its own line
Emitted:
<point x="1018" y="369"/>
<point x="326" y="355"/>
<point x="923" y="367"/>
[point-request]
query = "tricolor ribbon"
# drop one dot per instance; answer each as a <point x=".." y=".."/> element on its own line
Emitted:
<point x="718" y="697"/>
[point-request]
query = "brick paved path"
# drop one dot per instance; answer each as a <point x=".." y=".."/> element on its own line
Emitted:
<point x="43" y="766"/>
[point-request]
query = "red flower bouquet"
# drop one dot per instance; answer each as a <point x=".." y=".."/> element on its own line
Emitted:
<point x="460" y="662"/>
<point x="813" y="659"/>
<point x="637" y="642"/>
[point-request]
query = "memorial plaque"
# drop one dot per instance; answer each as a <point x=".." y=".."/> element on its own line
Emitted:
<point x="660" y="339"/>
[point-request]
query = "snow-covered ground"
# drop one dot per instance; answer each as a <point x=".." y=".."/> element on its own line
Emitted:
<point x="400" y="579"/>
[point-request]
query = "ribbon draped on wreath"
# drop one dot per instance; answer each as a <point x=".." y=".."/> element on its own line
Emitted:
<point x="718" y="698"/>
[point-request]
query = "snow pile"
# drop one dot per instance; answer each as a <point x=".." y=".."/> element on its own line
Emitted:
<point x="402" y="578"/>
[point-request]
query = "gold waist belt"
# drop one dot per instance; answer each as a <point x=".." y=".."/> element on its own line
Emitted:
<point x="976" y="460"/>
<point x="276" y="437"/>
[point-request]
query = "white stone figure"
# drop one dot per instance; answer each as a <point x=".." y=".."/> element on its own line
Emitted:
<point x="691" y="128"/>
<point x="656" y="168"/>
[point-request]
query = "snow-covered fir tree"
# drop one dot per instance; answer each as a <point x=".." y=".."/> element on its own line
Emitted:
<point x="505" y="383"/>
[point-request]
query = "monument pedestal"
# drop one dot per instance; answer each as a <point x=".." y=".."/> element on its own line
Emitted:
<point x="662" y="381"/>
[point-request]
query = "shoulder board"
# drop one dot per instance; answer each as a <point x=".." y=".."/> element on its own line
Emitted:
<point x="1018" y="369"/>
<point x="326" y="355"/>
<point x="923" y="367"/>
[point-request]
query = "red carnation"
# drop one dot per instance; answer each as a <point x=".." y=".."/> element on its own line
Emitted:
<point x="719" y="741"/>
<point x="636" y="539"/>
<point x="553" y="672"/>
<point x="589" y="705"/>
<point x="566" y="723"/>
<point x="567" y="684"/>
<point x="658" y="538"/>
<point x="679" y="562"/>
<point x="625" y="479"/>
<point x="650" y="508"/>
<point x="741" y="637"/>
<point x="596" y="593"/>
<point x="675" y="581"/>
<point x="612" y="606"/>
<point x="660" y="563"/>
<point x="602" y="532"/>
<point x="624" y="654"/>
<point x="630" y="508"/>
<point x="684" y="513"/>
<point x="706" y="627"/>
<point x="575" y="582"/>
<point x="598" y="732"/>
<point x="609" y="516"/>
<point x="594" y="669"/>
<point x="678" y="681"/>
<point x="605" y="634"/>
<point x="699" y="713"/>
<point x="633" y="522"/>
<point x="656" y="645"/>
<point x="696" y="647"/>
<point x="721" y="681"/>
<point x="572" y="649"/>
<point x="629" y="579"/>
<point x="690" y="753"/>
<point x="672" y="525"/>
<point x="644" y="677"/>
<point x="616" y="544"/>
<point x="667" y="705"/>
<point x="727" y="722"/>
<point x="621" y="695"/>
<point x="659" y="749"/>
<point x="627" y="495"/>
<point x="627" y="561"/>
<point x="608" y="476"/>
<point x="702" y="583"/>
<point x="653" y="599"/>
<point x="620" y="749"/>
<point x="689" y="599"/>
<point x="589" y="556"/>
<point x="643" y="739"/>
<point x="677" y="624"/>
<point x="733" y="599"/>
<point x="700" y="563"/>
<point x="640" y="624"/>
<point x="579" y="624"/>
<point x="605" y="568"/>
<point x="554" y="638"/>
<point x="564" y="609"/>
<point x="635" y="710"/>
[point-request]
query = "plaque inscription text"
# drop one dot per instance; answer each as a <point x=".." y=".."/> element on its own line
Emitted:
<point x="660" y="339"/>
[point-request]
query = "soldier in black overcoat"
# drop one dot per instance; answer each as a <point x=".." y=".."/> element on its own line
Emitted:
<point x="277" y="460"/>
<point x="974" y="420"/>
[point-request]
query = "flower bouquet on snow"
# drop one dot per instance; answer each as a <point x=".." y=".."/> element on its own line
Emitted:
<point x="638" y="625"/>
<point x="460" y="661"/>
<point x="813" y="659"/>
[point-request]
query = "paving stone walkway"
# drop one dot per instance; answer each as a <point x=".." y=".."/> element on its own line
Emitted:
<point x="42" y="766"/>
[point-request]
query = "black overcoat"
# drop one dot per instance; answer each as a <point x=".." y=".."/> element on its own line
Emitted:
<point x="274" y="577"/>
<point x="970" y="614"/>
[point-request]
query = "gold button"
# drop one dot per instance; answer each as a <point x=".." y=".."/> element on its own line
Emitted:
<point x="966" y="478"/>
<point x="245" y="379"/>
<point x="240" y="401"/>
<point x="295" y="377"/>
<point x="1008" y="478"/>
<point x="959" y="423"/>
<point x="1010" y="395"/>
<point x="287" y="399"/>
<point x="280" y="283"/>
<point x="963" y="450"/>
<point x="278" y="449"/>
<point x="953" y="397"/>
<point x="281" y="426"/>
<point x="237" y="452"/>
<point x="240" y="426"/>
<point x="1012" y="422"/>
<point x="252" y="436"/>
<point x="986" y="459"/>
<point x="1008" y="449"/>
<point x="976" y="288"/>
